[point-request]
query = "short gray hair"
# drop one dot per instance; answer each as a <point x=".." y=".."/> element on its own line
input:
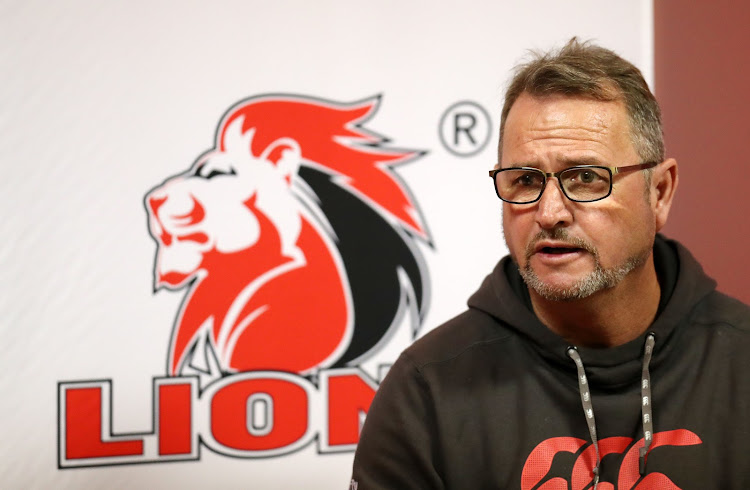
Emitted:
<point x="582" y="69"/>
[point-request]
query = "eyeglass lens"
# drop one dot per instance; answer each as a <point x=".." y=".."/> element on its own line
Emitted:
<point x="578" y="183"/>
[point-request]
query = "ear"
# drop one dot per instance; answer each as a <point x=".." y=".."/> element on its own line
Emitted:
<point x="664" y="180"/>
<point x="286" y="155"/>
<point x="234" y="140"/>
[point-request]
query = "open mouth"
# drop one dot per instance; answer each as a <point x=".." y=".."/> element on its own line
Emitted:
<point x="559" y="250"/>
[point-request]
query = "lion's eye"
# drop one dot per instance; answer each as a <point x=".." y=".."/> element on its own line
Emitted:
<point x="214" y="173"/>
<point x="211" y="172"/>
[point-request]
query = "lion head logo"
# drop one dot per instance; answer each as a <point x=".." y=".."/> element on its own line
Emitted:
<point x="294" y="239"/>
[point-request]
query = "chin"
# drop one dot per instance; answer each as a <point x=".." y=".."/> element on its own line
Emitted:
<point x="571" y="289"/>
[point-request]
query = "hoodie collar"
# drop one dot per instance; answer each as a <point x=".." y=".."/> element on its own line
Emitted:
<point x="503" y="295"/>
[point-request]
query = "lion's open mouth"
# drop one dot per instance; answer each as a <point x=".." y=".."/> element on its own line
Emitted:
<point x="194" y="237"/>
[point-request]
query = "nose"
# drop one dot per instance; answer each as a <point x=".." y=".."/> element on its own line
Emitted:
<point x="553" y="208"/>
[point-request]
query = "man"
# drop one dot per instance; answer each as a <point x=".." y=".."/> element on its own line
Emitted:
<point x="598" y="355"/>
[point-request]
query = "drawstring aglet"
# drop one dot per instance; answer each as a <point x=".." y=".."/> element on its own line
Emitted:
<point x="642" y="460"/>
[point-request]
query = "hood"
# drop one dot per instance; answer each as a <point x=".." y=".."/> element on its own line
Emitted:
<point x="683" y="282"/>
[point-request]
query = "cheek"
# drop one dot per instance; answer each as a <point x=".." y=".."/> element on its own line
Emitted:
<point x="232" y="228"/>
<point x="621" y="231"/>
<point x="636" y="219"/>
<point x="237" y="230"/>
<point x="513" y="230"/>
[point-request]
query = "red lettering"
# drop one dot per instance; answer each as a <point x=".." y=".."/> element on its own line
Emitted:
<point x="175" y="418"/>
<point x="84" y="434"/>
<point x="277" y="417"/>
<point x="349" y="397"/>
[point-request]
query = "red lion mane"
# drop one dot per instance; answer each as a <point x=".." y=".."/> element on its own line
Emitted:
<point x="274" y="305"/>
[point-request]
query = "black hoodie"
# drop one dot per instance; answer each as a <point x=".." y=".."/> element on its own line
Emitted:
<point x="493" y="399"/>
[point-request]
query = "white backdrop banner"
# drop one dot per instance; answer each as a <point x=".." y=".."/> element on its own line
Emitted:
<point x="223" y="221"/>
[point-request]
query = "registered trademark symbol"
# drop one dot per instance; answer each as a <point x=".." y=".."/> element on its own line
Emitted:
<point x="465" y="128"/>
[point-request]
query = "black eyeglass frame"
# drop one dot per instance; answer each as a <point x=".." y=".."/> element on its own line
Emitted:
<point x="547" y="175"/>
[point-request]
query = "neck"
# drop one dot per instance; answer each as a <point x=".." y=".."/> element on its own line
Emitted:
<point x="609" y="317"/>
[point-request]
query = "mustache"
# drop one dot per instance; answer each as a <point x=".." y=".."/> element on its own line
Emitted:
<point x="560" y="234"/>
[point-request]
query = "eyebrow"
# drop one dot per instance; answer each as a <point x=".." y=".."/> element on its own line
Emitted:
<point x="519" y="165"/>
<point x="573" y="162"/>
<point x="565" y="161"/>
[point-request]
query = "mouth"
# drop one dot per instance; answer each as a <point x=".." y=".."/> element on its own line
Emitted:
<point x="558" y="250"/>
<point x="558" y="247"/>
<point x="556" y="253"/>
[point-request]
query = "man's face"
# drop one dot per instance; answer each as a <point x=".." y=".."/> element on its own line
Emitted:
<point x="564" y="249"/>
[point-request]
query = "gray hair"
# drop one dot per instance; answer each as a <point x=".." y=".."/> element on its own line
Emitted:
<point x="582" y="69"/>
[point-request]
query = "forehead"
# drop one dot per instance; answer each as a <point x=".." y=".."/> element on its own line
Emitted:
<point x="546" y="130"/>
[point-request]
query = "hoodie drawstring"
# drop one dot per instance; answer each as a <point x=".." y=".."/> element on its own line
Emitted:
<point x="646" y="405"/>
<point x="588" y="408"/>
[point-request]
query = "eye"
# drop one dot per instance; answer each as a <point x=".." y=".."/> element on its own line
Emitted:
<point x="213" y="173"/>
<point x="208" y="171"/>
<point x="585" y="175"/>
<point x="528" y="179"/>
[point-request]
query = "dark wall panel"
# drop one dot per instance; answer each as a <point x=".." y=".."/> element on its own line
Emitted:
<point x="702" y="80"/>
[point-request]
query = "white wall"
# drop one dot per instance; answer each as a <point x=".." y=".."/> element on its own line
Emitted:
<point x="101" y="101"/>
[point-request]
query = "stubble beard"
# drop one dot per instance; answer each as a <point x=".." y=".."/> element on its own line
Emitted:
<point x="597" y="280"/>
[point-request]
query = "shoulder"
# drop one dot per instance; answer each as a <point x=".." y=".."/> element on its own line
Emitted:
<point x="461" y="336"/>
<point x="718" y="309"/>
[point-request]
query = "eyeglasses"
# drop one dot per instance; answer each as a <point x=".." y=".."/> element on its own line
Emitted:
<point x="583" y="183"/>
